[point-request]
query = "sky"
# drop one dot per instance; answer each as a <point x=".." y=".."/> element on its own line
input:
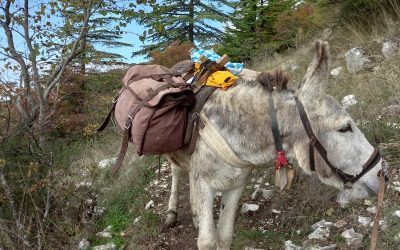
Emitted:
<point x="130" y="38"/>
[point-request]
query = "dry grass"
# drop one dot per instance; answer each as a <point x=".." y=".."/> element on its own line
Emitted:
<point x="374" y="90"/>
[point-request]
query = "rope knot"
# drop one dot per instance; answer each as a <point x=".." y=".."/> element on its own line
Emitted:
<point x="280" y="160"/>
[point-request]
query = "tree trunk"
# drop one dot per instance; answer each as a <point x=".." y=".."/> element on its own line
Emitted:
<point x="191" y="21"/>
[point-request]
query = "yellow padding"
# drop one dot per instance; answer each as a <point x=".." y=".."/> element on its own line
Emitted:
<point x="220" y="79"/>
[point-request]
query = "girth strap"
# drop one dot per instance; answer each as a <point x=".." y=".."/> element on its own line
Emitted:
<point x="218" y="144"/>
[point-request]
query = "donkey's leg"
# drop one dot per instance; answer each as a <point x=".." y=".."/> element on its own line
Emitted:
<point x="193" y="200"/>
<point x="230" y="200"/>
<point x="204" y="196"/>
<point x="173" y="198"/>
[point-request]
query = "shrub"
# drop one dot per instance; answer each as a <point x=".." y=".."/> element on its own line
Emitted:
<point x="176" y="52"/>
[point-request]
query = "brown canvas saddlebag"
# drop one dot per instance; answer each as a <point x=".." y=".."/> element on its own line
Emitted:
<point x="151" y="110"/>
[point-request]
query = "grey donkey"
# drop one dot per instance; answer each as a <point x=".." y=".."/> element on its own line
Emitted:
<point x="241" y="116"/>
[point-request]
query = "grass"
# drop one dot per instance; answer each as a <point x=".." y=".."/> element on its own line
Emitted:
<point x="126" y="200"/>
<point x="309" y="201"/>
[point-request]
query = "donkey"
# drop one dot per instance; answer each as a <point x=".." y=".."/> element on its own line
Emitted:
<point x="240" y="114"/>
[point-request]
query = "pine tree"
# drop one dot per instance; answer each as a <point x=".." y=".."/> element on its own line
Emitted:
<point x="195" y="21"/>
<point x="105" y="30"/>
<point x="252" y="30"/>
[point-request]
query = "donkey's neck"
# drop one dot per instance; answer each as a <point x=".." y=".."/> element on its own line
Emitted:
<point x="241" y="115"/>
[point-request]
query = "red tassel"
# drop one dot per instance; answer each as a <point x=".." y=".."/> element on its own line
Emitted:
<point x="280" y="160"/>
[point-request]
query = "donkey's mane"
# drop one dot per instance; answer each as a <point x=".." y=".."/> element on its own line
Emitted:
<point x="274" y="80"/>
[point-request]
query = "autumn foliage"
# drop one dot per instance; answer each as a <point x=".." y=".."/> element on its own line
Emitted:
<point x="176" y="52"/>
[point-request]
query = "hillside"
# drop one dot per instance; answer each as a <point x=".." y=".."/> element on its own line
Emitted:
<point x="65" y="197"/>
<point x="285" y="215"/>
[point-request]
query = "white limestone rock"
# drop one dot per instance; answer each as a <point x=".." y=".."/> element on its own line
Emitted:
<point x="317" y="247"/>
<point x="322" y="223"/>
<point x="393" y="110"/>
<point x="267" y="193"/>
<point x="249" y="207"/>
<point x="336" y="71"/>
<point x="357" y="60"/>
<point x="260" y="180"/>
<point x="352" y="238"/>
<point x="348" y="101"/>
<point x="106" y="163"/>
<point x="365" y="221"/>
<point x="340" y="223"/>
<point x="372" y="209"/>
<point x="275" y="211"/>
<point x="391" y="48"/>
<point x="319" y="234"/>
<point x="99" y="211"/>
<point x="136" y="220"/>
<point x="254" y="194"/>
<point x="104" y="234"/>
<point x="108" y="246"/>
<point x="252" y="248"/>
<point x="290" y="246"/>
<point x="84" y="244"/>
<point x="149" y="205"/>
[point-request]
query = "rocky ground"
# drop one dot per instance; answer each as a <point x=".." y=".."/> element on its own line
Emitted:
<point x="305" y="217"/>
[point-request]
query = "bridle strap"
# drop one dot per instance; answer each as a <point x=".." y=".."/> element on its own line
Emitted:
<point x="315" y="143"/>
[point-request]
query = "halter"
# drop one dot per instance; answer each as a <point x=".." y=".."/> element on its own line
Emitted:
<point x="348" y="180"/>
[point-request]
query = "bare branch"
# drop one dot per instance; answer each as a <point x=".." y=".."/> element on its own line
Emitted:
<point x="11" y="46"/>
<point x="8" y="194"/>
<point x="75" y="51"/>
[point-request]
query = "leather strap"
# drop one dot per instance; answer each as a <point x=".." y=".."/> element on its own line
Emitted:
<point x="122" y="151"/>
<point x="192" y="130"/>
<point x="107" y="119"/>
<point x="274" y="123"/>
<point x="315" y="143"/>
<point x="128" y="124"/>
<point x="197" y="125"/>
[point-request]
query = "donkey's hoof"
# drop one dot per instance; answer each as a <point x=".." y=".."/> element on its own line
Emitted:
<point x="171" y="219"/>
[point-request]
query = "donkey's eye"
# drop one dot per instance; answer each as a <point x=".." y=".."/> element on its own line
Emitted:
<point x="346" y="128"/>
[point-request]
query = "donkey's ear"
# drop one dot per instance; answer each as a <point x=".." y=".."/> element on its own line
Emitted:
<point x="313" y="84"/>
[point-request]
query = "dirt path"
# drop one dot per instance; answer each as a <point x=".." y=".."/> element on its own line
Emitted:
<point x="184" y="234"/>
<point x="283" y="216"/>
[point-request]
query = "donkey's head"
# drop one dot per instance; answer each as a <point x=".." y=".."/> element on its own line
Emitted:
<point x="349" y="157"/>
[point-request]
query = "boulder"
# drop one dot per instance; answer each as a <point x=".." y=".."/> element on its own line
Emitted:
<point x="357" y="60"/>
<point x="391" y="48"/>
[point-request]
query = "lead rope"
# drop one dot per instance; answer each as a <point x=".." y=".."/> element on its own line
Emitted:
<point x="374" y="231"/>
